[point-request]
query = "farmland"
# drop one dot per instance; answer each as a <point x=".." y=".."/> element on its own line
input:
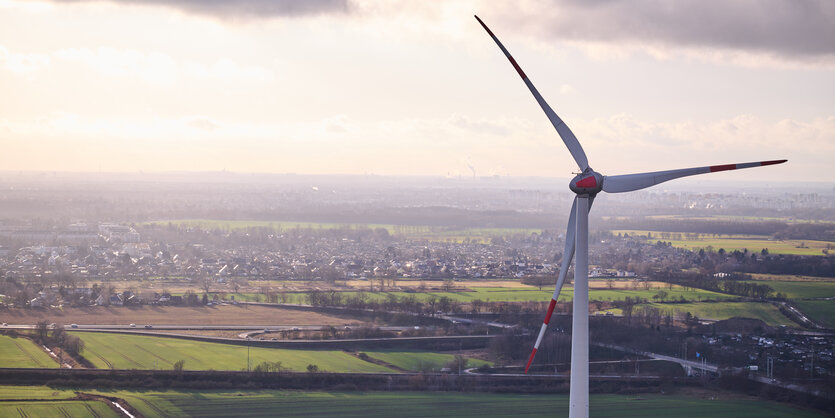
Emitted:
<point x="767" y="312"/>
<point x="801" y="289"/>
<point x="173" y="315"/>
<point x="820" y="311"/>
<point x="56" y="409"/>
<point x="20" y="352"/>
<point x="515" y="294"/>
<point x="43" y="401"/>
<point x="443" y="404"/>
<point x="731" y="242"/>
<point x="120" y="351"/>
<point x="418" y="360"/>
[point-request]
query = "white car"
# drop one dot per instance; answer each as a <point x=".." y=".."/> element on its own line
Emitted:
<point x="133" y="325"/>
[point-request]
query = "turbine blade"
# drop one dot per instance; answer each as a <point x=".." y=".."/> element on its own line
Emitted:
<point x="632" y="182"/>
<point x="567" y="255"/>
<point x="567" y="136"/>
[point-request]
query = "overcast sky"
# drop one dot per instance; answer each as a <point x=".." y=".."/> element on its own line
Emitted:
<point x="415" y="87"/>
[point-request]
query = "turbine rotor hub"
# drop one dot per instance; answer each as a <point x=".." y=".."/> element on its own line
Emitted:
<point x="588" y="182"/>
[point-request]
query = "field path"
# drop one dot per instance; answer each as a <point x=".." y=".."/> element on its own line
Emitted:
<point x="154" y="407"/>
<point x="109" y="364"/>
<point x="92" y="411"/>
<point x="28" y="354"/>
<point x="153" y="354"/>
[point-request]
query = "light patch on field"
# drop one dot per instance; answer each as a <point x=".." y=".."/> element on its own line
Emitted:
<point x="731" y="242"/>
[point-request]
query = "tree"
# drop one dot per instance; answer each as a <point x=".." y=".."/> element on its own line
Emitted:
<point x="312" y="368"/>
<point x="538" y="280"/>
<point x="178" y="365"/>
<point x="42" y="331"/>
<point x="206" y="283"/>
<point x="73" y="345"/>
<point x="458" y="363"/>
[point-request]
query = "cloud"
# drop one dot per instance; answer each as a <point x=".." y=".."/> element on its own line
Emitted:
<point x="151" y="67"/>
<point x="22" y="63"/>
<point x="793" y="29"/>
<point x="480" y="126"/>
<point x="244" y="8"/>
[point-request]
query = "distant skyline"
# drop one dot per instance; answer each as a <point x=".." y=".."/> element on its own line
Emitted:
<point x="416" y="88"/>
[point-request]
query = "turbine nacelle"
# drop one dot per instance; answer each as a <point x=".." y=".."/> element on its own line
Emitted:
<point x="588" y="182"/>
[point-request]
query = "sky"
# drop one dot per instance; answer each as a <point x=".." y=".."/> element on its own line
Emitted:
<point x="416" y="87"/>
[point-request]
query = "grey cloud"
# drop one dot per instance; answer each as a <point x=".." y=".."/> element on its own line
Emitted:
<point x="245" y="8"/>
<point x="794" y="28"/>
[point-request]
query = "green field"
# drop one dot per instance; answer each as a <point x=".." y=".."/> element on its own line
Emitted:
<point x="767" y="312"/>
<point x="501" y="294"/>
<point x="801" y="289"/>
<point x="56" y="409"/>
<point x="418" y="360"/>
<point x="20" y="352"/>
<point x="44" y="401"/>
<point x="820" y="311"/>
<point x="120" y="351"/>
<point x="34" y="392"/>
<point x="731" y="242"/>
<point x="437" y="404"/>
<point x="742" y="218"/>
<point x="428" y="233"/>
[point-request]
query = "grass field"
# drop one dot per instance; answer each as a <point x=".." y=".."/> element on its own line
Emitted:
<point x="34" y="392"/>
<point x="438" y="404"/>
<point x="801" y="290"/>
<point x="515" y="294"/>
<point x="44" y="401"/>
<point x="427" y="233"/>
<point x="56" y="409"/>
<point x="172" y="315"/>
<point x="20" y="352"/>
<point x="742" y="218"/>
<point x="731" y="242"/>
<point x="767" y="312"/>
<point x="418" y="360"/>
<point x="820" y="311"/>
<point x="121" y="351"/>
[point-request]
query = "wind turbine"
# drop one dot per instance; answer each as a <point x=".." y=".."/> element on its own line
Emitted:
<point x="586" y="186"/>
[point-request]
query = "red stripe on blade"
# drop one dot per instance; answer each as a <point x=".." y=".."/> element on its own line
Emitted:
<point x="550" y="311"/>
<point x="715" y="168"/>
<point x="516" y="66"/>
<point x="530" y="359"/>
<point x="772" y="162"/>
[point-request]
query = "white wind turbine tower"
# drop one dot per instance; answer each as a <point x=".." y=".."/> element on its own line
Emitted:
<point x="587" y="185"/>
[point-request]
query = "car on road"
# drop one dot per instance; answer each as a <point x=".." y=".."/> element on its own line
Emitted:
<point x="149" y="326"/>
<point x="133" y="325"/>
<point x="5" y="324"/>
<point x="73" y="325"/>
